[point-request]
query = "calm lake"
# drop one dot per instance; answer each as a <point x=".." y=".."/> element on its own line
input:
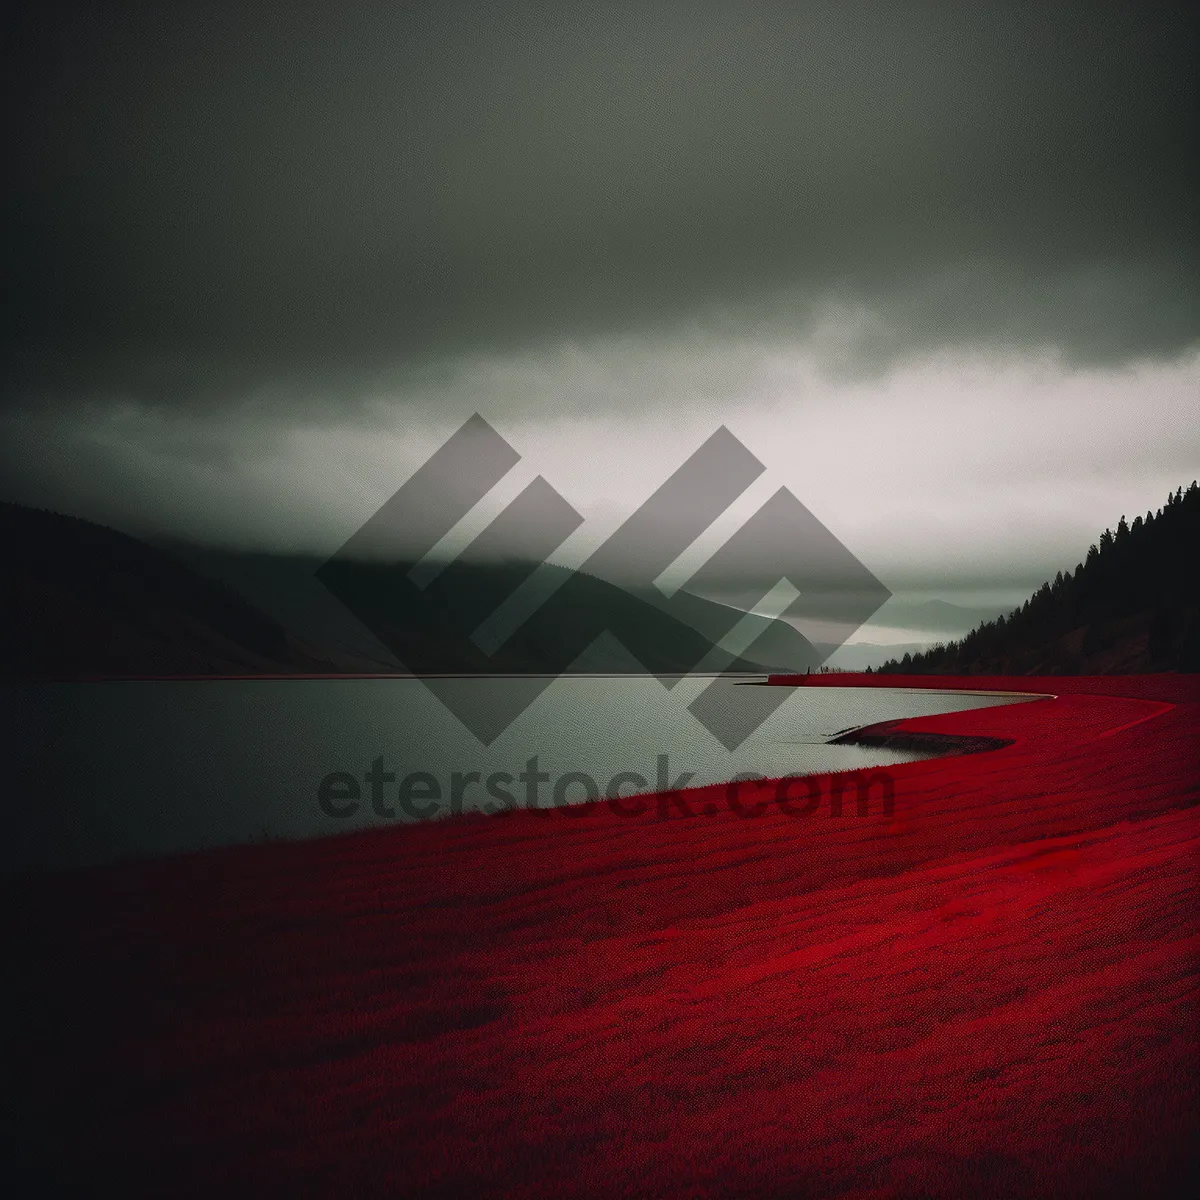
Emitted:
<point x="102" y="771"/>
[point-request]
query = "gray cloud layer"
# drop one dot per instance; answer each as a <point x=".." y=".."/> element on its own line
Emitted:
<point x="209" y="197"/>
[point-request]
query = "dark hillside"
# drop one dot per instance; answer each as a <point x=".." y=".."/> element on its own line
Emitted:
<point x="82" y="600"/>
<point x="1133" y="605"/>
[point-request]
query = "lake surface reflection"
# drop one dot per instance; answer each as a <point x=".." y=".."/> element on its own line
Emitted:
<point x="102" y="771"/>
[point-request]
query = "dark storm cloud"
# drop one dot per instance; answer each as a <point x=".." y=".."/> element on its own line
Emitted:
<point x="205" y="197"/>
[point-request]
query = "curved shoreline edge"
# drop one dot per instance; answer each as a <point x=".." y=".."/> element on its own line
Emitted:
<point x="1161" y="691"/>
<point x="896" y="734"/>
<point x="885" y="736"/>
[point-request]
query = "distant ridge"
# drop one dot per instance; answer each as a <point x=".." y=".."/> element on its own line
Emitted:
<point x="1132" y="606"/>
<point x="82" y="600"/>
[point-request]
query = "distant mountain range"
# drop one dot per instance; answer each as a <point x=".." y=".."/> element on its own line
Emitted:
<point x="936" y="616"/>
<point x="937" y="620"/>
<point x="80" y="599"/>
<point x="83" y="600"/>
<point x="863" y="656"/>
<point x="1133" y="605"/>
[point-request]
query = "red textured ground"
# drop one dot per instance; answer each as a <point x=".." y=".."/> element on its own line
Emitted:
<point x="993" y="992"/>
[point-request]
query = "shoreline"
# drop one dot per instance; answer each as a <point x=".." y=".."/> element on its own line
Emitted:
<point x="249" y="779"/>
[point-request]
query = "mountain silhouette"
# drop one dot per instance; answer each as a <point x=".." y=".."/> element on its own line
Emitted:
<point x="83" y="600"/>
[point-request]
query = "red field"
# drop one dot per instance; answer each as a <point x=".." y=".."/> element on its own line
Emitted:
<point x="992" y="992"/>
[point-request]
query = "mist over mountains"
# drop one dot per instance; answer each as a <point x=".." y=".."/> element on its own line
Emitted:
<point x="83" y="600"/>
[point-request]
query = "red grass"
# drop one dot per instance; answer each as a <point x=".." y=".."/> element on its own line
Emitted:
<point x="992" y="992"/>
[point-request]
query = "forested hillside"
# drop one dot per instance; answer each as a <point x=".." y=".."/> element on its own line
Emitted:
<point x="1132" y="605"/>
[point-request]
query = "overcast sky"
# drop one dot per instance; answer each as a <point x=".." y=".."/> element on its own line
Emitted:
<point x="936" y="265"/>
